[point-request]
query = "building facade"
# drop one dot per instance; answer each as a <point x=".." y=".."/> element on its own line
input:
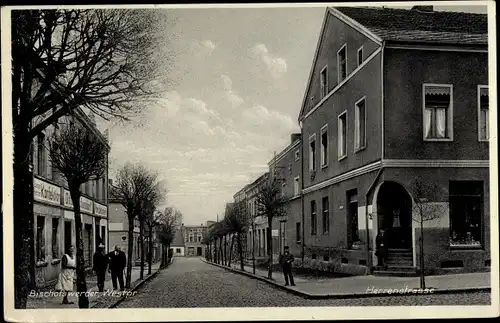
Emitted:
<point x="54" y="222"/>
<point x="386" y="125"/>
<point x="193" y="240"/>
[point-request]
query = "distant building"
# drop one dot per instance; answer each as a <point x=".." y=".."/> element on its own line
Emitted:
<point x="193" y="240"/>
<point x="178" y="246"/>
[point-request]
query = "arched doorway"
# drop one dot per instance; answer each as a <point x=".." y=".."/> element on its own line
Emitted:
<point x="394" y="215"/>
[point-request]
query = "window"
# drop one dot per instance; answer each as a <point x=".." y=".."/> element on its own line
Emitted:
<point x="296" y="186"/>
<point x="283" y="189"/>
<point x="438" y="112"/>
<point x="187" y="240"/>
<point x="360" y="55"/>
<point x="342" y="63"/>
<point x="466" y="212"/>
<point x="190" y="238"/>
<point x="312" y="153"/>
<point x="298" y="233"/>
<point x="297" y="155"/>
<point x="199" y="238"/>
<point x="313" y="218"/>
<point x="483" y="107"/>
<point x="360" y="125"/>
<point x="177" y="250"/>
<point x="326" y="218"/>
<point x="324" y="81"/>
<point x="324" y="146"/>
<point x="40" y="238"/>
<point x="41" y="155"/>
<point x="342" y="136"/>
<point x="55" y="238"/>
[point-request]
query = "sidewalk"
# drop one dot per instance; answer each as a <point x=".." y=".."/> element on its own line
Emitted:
<point x="369" y="285"/>
<point x="96" y="299"/>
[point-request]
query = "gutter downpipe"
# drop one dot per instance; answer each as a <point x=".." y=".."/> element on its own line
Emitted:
<point x="302" y="188"/>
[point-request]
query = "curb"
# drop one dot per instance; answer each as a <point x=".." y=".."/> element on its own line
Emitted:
<point x="349" y="295"/>
<point x="142" y="282"/>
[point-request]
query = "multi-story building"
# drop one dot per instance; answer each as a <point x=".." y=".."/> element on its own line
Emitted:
<point x="286" y="167"/>
<point x="387" y="107"/>
<point x="178" y="246"/>
<point x="256" y="238"/>
<point x="118" y="227"/>
<point x="193" y="240"/>
<point x="54" y="221"/>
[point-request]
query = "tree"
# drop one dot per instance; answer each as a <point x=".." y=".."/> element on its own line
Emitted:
<point x="270" y="204"/>
<point x="237" y="221"/>
<point x="169" y="224"/>
<point x="423" y="211"/>
<point x="135" y="184"/>
<point x="103" y="60"/>
<point x="152" y="220"/>
<point x="79" y="156"/>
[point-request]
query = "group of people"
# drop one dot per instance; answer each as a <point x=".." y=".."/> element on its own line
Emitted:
<point x="114" y="262"/>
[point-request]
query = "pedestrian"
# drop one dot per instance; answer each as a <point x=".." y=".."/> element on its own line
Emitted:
<point x="100" y="266"/>
<point x="67" y="275"/>
<point x="381" y="248"/>
<point x="286" y="261"/>
<point x="117" y="262"/>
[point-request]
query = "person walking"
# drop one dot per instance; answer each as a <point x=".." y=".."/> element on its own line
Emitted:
<point x="117" y="262"/>
<point x="381" y="251"/>
<point x="100" y="265"/>
<point x="286" y="261"/>
<point x="67" y="275"/>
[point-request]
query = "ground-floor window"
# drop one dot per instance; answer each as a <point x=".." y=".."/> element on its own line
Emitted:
<point x="466" y="212"/>
<point x="40" y="238"/>
<point x="178" y="250"/>
<point x="55" y="238"/>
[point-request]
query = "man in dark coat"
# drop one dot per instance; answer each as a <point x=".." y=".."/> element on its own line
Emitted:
<point x="286" y="261"/>
<point x="100" y="265"/>
<point x="117" y="262"/>
<point x="381" y="251"/>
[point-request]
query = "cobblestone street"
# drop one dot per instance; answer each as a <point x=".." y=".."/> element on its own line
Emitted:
<point x="189" y="282"/>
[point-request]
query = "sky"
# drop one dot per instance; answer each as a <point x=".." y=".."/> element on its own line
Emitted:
<point x="238" y="79"/>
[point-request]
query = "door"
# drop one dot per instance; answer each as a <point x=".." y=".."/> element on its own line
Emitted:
<point x="199" y="251"/>
<point x="67" y="235"/>
<point x="282" y="234"/>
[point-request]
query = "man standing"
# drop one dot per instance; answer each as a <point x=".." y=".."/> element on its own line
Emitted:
<point x="286" y="261"/>
<point x="381" y="251"/>
<point x="117" y="262"/>
<point x="100" y="266"/>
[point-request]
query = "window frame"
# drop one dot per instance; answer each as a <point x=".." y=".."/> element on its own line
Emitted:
<point x="339" y="129"/>
<point x="283" y="185"/>
<point x="55" y="239"/>
<point x="357" y="126"/>
<point x="297" y="155"/>
<point x="312" y="163"/>
<point x="314" y="215"/>
<point x="326" y="224"/>
<point x="324" y="152"/>
<point x="479" y="87"/>
<point x="360" y="50"/>
<point x="449" y="115"/>
<point x="298" y="232"/>
<point x="296" y="184"/>
<point x="323" y="88"/>
<point x="339" y="80"/>
<point x="41" y="244"/>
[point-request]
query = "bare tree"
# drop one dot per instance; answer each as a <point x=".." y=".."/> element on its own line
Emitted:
<point x="169" y="224"/>
<point x="423" y="211"/>
<point x="152" y="220"/>
<point x="270" y="204"/>
<point x="79" y="156"/>
<point x="135" y="184"/>
<point x="103" y="60"/>
<point x="237" y="221"/>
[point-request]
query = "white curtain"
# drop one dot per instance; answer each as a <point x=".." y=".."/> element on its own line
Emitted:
<point x="441" y="122"/>
<point x="427" y="122"/>
<point x="484" y="125"/>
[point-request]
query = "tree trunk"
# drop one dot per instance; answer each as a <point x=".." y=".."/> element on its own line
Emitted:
<point x="240" y="251"/>
<point x="231" y="250"/>
<point x="24" y="242"/>
<point x="81" y="284"/>
<point x="253" y="247"/>
<point x="141" y="239"/>
<point x="215" y="251"/>
<point x="270" y="247"/>
<point x="130" y="247"/>
<point x="225" y="250"/>
<point x="150" y="254"/>
<point x="422" y="263"/>
<point x="221" y="251"/>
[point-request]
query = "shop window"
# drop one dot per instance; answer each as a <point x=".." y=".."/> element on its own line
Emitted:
<point x="466" y="213"/>
<point x="40" y="238"/>
<point x="55" y="238"/>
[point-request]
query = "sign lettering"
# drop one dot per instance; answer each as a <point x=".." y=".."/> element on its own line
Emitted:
<point x="46" y="192"/>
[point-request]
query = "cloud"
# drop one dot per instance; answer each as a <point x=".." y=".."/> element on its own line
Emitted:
<point x="276" y="66"/>
<point x="202" y="48"/>
<point x="260" y="115"/>
<point x="230" y="95"/>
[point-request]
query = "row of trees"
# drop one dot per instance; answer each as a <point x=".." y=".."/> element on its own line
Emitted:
<point x="238" y="221"/>
<point x="62" y="60"/>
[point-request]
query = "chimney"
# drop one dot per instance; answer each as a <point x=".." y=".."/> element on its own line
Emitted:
<point x="423" y="8"/>
<point x="294" y="137"/>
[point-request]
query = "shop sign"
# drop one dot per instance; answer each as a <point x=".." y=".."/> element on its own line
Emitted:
<point x="100" y="209"/>
<point x="46" y="192"/>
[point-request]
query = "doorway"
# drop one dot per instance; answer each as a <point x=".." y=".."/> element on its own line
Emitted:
<point x="199" y="251"/>
<point x="87" y="244"/>
<point x="67" y="235"/>
<point x="352" y="217"/>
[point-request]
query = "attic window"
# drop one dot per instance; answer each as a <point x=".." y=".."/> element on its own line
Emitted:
<point x="342" y="63"/>
<point x="324" y="81"/>
<point x="360" y="55"/>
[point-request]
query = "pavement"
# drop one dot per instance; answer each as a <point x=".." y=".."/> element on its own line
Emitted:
<point x="369" y="285"/>
<point x="192" y="283"/>
<point x="52" y="299"/>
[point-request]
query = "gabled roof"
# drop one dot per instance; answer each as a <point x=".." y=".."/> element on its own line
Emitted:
<point x="443" y="27"/>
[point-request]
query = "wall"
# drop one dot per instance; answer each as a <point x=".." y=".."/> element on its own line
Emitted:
<point x="404" y="73"/>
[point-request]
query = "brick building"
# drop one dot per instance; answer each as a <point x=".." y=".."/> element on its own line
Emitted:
<point x="54" y="222"/>
<point x="193" y="240"/>
<point x="385" y="104"/>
